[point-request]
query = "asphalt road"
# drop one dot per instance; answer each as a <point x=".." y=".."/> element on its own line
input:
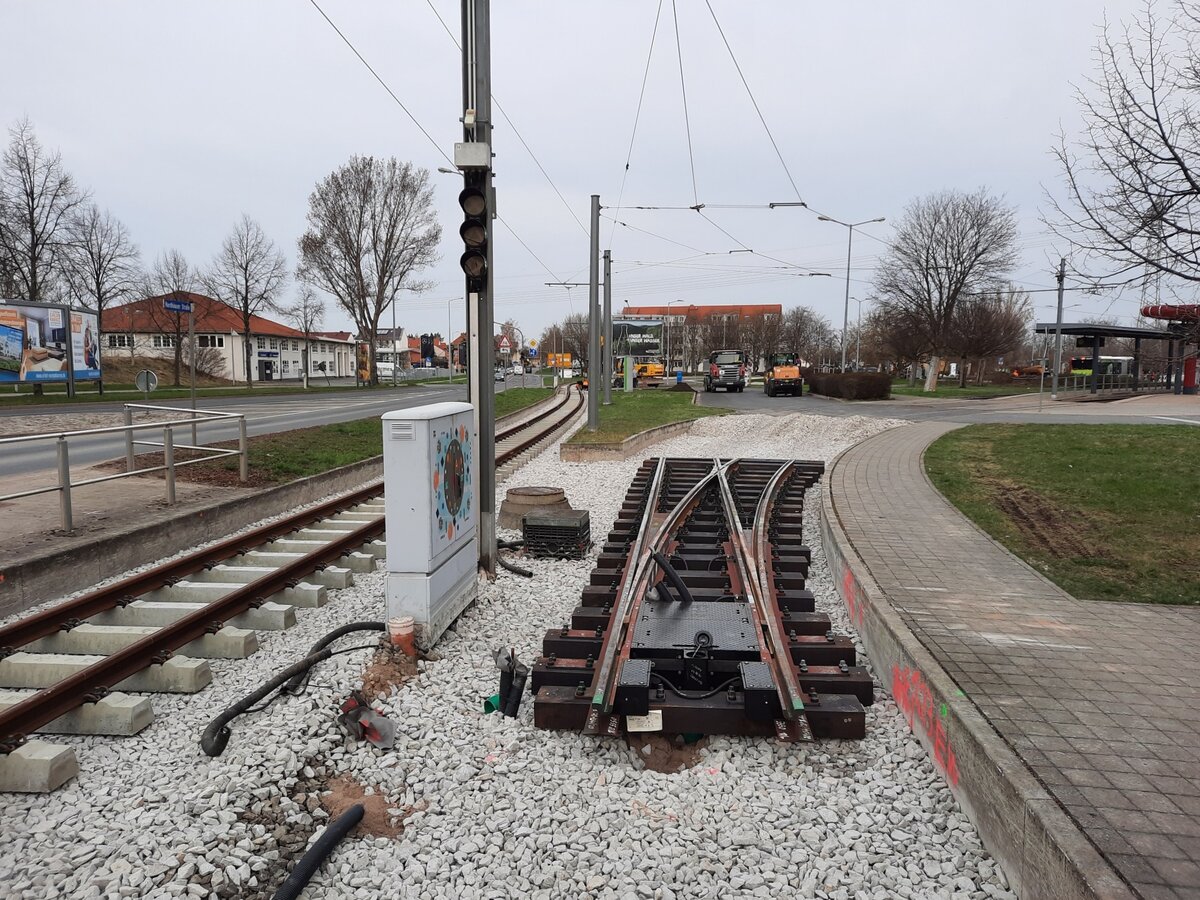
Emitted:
<point x="1157" y="409"/>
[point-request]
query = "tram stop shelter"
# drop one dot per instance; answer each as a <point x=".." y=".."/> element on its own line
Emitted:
<point x="1094" y="334"/>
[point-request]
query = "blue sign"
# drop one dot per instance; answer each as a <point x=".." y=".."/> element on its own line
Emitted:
<point x="532" y="352"/>
<point x="268" y="354"/>
<point x="178" y="305"/>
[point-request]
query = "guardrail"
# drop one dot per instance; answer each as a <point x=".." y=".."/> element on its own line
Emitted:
<point x="168" y="445"/>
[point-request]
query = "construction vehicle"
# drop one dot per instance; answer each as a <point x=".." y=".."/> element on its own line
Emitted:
<point x="783" y="375"/>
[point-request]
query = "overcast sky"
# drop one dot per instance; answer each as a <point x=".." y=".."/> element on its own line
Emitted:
<point x="180" y="117"/>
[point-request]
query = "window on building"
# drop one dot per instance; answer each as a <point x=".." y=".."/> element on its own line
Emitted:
<point x="210" y="340"/>
<point x="120" y="340"/>
<point x="285" y="366"/>
<point x="295" y="345"/>
<point x="273" y="343"/>
<point x="261" y="342"/>
<point x="164" y="340"/>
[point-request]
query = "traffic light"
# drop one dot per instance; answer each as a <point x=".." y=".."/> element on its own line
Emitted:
<point x="474" y="230"/>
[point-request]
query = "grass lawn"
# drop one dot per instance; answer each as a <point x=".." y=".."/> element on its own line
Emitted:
<point x="949" y="390"/>
<point x="128" y="394"/>
<point x="1108" y="512"/>
<point x="631" y="413"/>
<point x="513" y="399"/>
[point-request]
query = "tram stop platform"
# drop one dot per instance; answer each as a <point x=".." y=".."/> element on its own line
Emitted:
<point x="1068" y="730"/>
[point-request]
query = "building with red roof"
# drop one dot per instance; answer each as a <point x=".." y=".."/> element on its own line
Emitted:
<point x="147" y="328"/>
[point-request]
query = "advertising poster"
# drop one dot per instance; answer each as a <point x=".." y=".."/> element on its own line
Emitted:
<point x="85" y="346"/>
<point x="363" y="358"/>
<point x="637" y="337"/>
<point x="38" y="344"/>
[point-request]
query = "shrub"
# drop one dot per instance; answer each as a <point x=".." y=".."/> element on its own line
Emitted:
<point x="850" y="385"/>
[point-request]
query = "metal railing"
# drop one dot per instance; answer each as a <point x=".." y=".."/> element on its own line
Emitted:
<point x="191" y="419"/>
<point x="1109" y="383"/>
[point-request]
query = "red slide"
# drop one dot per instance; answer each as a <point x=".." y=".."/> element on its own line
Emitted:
<point x="1188" y="312"/>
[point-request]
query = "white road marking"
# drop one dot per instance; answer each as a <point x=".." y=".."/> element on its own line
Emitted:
<point x="1175" y="419"/>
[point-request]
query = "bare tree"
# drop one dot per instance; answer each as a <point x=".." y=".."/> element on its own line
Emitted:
<point x="371" y="228"/>
<point x="896" y="337"/>
<point x="38" y="199"/>
<point x="948" y="244"/>
<point x="986" y="326"/>
<point x="247" y="275"/>
<point x="306" y="315"/>
<point x="806" y="333"/>
<point x="171" y="275"/>
<point x="103" y="263"/>
<point x="1132" y="177"/>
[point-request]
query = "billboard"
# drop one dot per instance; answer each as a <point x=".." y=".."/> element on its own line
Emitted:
<point x="637" y="337"/>
<point x="42" y="343"/>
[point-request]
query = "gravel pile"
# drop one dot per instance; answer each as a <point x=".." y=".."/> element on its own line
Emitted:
<point x="492" y="807"/>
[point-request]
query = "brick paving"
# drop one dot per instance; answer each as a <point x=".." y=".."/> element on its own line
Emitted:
<point x="1100" y="700"/>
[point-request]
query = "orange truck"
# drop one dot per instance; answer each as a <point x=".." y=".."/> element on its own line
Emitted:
<point x="783" y="375"/>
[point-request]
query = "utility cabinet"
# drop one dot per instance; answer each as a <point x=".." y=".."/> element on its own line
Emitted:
<point x="431" y="503"/>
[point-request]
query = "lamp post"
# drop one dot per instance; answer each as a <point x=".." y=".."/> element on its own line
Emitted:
<point x="850" y="226"/>
<point x="667" y="337"/>
<point x="858" y="336"/>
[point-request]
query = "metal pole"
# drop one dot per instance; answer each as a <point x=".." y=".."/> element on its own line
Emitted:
<point x="192" y="345"/>
<point x="477" y="92"/>
<point x="594" y="366"/>
<point x="130" y="464"/>
<point x="169" y="462"/>
<point x="606" y="326"/>
<point x="243" y="450"/>
<point x="858" y="341"/>
<point x="449" y="348"/>
<point x="64" y="484"/>
<point x="1062" y="275"/>
<point x="846" y="307"/>
<point x="395" y="354"/>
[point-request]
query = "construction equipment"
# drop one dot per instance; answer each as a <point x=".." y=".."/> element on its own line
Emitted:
<point x="783" y="375"/>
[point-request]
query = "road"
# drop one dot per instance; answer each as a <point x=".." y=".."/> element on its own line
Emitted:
<point x="1153" y="409"/>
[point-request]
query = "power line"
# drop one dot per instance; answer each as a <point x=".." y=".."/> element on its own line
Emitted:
<point x="527" y="250"/>
<point x="636" y="117"/>
<point x="383" y="83"/>
<point x="746" y="84"/>
<point x="516" y="131"/>
<point x="686" y="118"/>
<point x="617" y="221"/>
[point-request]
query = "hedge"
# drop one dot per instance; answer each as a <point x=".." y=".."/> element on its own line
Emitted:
<point x="850" y="385"/>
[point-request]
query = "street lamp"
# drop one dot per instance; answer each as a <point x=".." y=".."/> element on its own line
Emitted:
<point x="668" y="336"/>
<point x="849" y="246"/>
<point x="858" y="336"/>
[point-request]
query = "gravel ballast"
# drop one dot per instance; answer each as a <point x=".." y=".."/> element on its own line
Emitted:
<point x="492" y="807"/>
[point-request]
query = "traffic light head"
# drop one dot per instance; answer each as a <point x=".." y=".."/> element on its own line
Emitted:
<point x="474" y="229"/>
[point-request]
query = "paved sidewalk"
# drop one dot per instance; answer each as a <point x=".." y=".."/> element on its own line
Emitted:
<point x="1100" y="700"/>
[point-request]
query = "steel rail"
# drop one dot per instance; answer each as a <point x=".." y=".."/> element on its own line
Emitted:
<point x="521" y="426"/>
<point x="786" y="685"/>
<point x="609" y="648"/>
<point x="513" y="452"/>
<point x="65" y="616"/>
<point x="98" y="679"/>
<point x="643" y="569"/>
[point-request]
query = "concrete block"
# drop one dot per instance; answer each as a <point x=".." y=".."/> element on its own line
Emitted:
<point x="178" y="675"/>
<point x="293" y="545"/>
<point x="191" y="592"/>
<point x="37" y="767"/>
<point x="268" y="617"/>
<point x="333" y="577"/>
<point x="116" y="714"/>
<point x="377" y="549"/>
<point x="358" y="562"/>
<point x="91" y="639"/>
<point x="228" y="643"/>
<point x="268" y="558"/>
<point x="232" y="574"/>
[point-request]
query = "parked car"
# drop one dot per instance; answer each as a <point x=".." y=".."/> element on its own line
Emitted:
<point x="726" y="369"/>
<point x="499" y="376"/>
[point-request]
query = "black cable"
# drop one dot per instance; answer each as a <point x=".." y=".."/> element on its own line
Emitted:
<point x="516" y="570"/>
<point x="316" y="854"/>
<point x="681" y="589"/>
<point x="690" y="695"/>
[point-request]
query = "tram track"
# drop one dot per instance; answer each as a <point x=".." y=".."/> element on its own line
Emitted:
<point x="697" y="619"/>
<point x="154" y="630"/>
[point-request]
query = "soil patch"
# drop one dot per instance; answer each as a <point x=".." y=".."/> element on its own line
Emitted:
<point x="666" y="754"/>
<point x="379" y="819"/>
<point x="1046" y="527"/>
<point x="388" y="669"/>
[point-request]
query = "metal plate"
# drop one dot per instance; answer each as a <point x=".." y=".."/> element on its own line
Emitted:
<point x="671" y="628"/>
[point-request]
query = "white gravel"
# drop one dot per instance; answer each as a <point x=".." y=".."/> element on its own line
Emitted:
<point x="501" y="809"/>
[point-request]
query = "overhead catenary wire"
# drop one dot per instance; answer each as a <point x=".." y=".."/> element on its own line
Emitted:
<point x="516" y="131"/>
<point x="637" y="116"/>
<point x="687" y="122"/>
<point x="382" y="83"/>
<point x="746" y="85"/>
